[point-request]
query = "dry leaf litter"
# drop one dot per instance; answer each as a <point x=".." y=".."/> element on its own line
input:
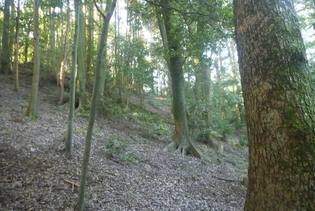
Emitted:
<point x="35" y="174"/>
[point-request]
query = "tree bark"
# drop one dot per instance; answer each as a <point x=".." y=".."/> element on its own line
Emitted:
<point x="63" y="65"/>
<point x="95" y="100"/>
<point x="26" y="44"/>
<point x="279" y="106"/>
<point x="12" y="33"/>
<point x="16" y="49"/>
<point x="90" y="37"/>
<point x="82" y="61"/>
<point x="181" y="134"/>
<point x="77" y="5"/>
<point x="105" y="31"/>
<point x="52" y="40"/>
<point x="31" y="109"/>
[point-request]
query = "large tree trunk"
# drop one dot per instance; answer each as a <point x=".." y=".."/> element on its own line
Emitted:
<point x="279" y="106"/>
<point x="181" y="134"/>
<point x="31" y="109"/>
<point x="5" y="55"/>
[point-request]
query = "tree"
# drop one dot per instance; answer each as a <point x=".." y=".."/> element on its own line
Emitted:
<point x="181" y="135"/>
<point x="31" y="109"/>
<point x="279" y="103"/>
<point x="110" y="6"/>
<point x="63" y="65"/>
<point x="82" y="60"/>
<point x="5" y="57"/>
<point x="77" y="5"/>
<point x="90" y="36"/>
<point x="16" y="48"/>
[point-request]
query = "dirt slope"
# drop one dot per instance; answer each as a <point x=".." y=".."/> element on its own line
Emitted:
<point x="128" y="171"/>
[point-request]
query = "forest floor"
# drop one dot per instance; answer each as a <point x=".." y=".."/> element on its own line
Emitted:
<point x="128" y="169"/>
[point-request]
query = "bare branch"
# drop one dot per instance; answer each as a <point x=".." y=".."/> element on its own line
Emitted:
<point x="110" y="12"/>
<point x="98" y="9"/>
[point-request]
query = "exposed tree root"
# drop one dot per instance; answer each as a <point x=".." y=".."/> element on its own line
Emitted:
<point x="192" y="149"/>
<point x="171" y="146"/>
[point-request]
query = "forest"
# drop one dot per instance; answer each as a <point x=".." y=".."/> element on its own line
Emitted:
<point x="157" y="105"/>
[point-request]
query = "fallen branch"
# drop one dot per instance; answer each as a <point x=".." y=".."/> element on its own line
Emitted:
<point x="73" y="184"/>
<point x="228" y="180"/>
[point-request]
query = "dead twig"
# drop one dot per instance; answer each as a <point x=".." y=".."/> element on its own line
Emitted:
<point x="228" y="180"/>
<point x="73" y="184"/>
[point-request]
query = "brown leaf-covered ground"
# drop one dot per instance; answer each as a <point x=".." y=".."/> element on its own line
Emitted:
<point x="128" y="169"/>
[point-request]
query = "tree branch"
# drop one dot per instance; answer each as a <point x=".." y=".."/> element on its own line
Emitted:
<point x="194" y="12"/>
<point x="110" y="12"/>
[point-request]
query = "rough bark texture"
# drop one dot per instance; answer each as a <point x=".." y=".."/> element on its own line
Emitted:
<point x="31" y="109"/>
<point x="278" y="103"/>
<point x="181" y="134"/>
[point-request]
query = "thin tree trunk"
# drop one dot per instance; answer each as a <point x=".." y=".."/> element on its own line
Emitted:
<point x="105" y="28"/>
<point x="63" y="65"/>
<point x="32" y="107"/>
<point x="16" y="49"/>
<point x="82" y="61"/>
<point x="90" y="37"/>
<point x="119" y="72"/>
<point x="238" y="105"/>
<point x="95" y="101"/>
<point x="5" y="61"/>
<point x="12" y="33"/>
<point x="52" y="40"/>
<point x="77" y="5"/>
<point x="26" y="45"/>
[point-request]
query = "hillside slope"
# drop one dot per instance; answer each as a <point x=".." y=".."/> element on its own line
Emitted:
<point x="128" y="169"/>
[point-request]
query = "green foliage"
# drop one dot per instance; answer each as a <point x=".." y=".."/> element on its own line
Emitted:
<point x="162" y="129"/>
<point x="145" y="116"/>
<point x="197" y="115"/>
<point x="224" y="119"/>
<point x="85" y="111"/>
<point x="117" y="147"/>
<point x="150" y="123"/>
